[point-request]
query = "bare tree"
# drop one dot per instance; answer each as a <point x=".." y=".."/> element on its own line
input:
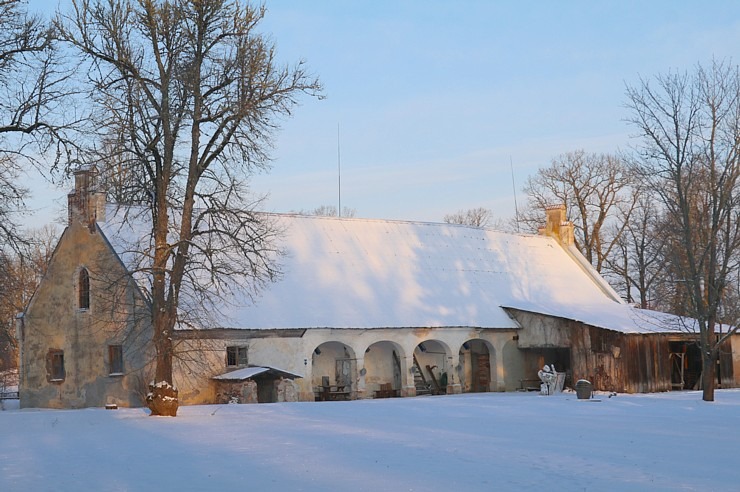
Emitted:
<point x="689" y="124"/>
<point x="21" y="272"/>
<point x="35" y="108"/>
<point x="594" y="188"/>
<point x="329" y="211"/>
<point x="198" y="93"/>
<point x="638" y="259"/>
<point x="474" y="217"/>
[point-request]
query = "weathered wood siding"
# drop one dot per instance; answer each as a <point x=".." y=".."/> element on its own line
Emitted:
<point x="726" y="364"/>
<point x="612" y="361"/>
<point x="626" y="363"/>
<point x="734" y="343"/>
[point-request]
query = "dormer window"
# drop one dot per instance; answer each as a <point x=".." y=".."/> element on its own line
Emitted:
<point x="83" y="289"/>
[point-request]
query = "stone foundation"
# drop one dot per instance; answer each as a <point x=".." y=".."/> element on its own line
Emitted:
<point x="236" y="392"/>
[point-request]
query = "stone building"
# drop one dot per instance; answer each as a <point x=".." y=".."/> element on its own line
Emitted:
<point x="364" y="309"/>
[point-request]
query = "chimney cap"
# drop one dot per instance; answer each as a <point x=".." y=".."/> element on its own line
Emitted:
<point x="85" y="168"/>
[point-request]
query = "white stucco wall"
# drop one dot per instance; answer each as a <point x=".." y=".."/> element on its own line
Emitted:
<point x="370" y="368"/>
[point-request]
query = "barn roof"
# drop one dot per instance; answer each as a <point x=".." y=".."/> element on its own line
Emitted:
<point x="360" y="273"/>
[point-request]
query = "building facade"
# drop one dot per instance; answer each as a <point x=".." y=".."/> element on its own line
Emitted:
<point x="363" y="309"/>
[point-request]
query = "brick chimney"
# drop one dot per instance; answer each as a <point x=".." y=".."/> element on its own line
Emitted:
<point x="85" y="204"/>
<point x="557" y="225"/>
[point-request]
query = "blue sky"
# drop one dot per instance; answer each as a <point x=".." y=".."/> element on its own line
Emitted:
<point x="435" y="99"/>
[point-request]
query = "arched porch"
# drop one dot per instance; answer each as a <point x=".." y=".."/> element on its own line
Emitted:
<point x="477" y="366"/>
<point x="334" y="371"/>
<point x="431" y="360"/>
<point x="384" y="366"/>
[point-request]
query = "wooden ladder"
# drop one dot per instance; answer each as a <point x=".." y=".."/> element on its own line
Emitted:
<point x="422" y="386"/>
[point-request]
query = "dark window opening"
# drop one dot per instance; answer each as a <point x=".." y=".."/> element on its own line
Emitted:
<point x="236" y="356"/>
<point x="55" y="365"/>
<point x="115" y="359"/>
<point x="84" y="289"/>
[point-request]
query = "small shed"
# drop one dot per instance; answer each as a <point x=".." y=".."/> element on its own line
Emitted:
<point x="256" y="384"/>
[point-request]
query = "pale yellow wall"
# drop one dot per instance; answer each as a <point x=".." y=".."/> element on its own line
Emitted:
<point x="54" y="321"/>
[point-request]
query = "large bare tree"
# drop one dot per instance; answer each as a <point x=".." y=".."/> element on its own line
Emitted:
<point x="595" y="188"/>
<point x="194" y="92"/>
<point x="689" y="129"/>
<point x="35" y="109"/>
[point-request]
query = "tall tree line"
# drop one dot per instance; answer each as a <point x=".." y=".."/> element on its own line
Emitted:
<point x="661" y="222"/>
<point x="689" y="157"/>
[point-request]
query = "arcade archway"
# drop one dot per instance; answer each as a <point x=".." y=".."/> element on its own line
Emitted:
<point x="477" y="361"/>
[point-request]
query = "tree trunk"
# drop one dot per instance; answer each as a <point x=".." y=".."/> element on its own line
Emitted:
<point x="707" y="376"/>
<point x="162" y="399"/>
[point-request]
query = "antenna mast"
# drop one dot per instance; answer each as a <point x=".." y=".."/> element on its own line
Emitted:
<point x="513" y="187"/>
<point x="339" y="174"/>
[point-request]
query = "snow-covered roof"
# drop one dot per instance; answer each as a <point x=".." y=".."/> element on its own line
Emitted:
<point x="250" y="372"/>
<point x="611" y="316"/>
<point x="360" y="273"/>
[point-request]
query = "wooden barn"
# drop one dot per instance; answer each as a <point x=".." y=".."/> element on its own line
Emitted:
<point x="625" y="362"/>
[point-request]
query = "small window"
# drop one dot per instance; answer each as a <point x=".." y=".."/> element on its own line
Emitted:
<point x="55" y="365"/>
<point x="83" y="289"/>
<point x="115" y="360"/>
<point x="236" y="356"/>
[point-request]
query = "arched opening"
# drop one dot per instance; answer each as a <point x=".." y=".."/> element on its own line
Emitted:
<point x="83" y="289"/>
<point x="384" y="365"/>
<point x="477" y="360"/>
<point x="334" y="371"/>
<point x="430" y="368"/>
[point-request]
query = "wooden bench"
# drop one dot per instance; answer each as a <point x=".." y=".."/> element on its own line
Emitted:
<point x="333" y="393"/>
<point x="9" y="395"/>
<point x="386" y="391"/>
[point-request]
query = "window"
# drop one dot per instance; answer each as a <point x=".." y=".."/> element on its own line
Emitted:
<point x="55" y="365"/>
<point x="236" y="356"/>
<point x="115" y="360"/>
<point x="83" y="289"/>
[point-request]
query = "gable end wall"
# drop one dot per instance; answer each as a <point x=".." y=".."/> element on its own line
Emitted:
<point x="53" y="320"/>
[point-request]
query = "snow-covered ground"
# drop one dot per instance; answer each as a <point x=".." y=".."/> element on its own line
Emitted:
<point x="491" y="441"/>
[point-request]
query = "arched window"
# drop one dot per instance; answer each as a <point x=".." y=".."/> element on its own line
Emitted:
<point x="83" y="289"/>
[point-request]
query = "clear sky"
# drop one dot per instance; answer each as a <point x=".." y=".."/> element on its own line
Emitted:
<point x="434" y="100"/>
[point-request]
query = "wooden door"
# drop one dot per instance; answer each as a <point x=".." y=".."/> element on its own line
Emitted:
<point x="481" y="373"/>
<point x="343" y="372"/>
<point x="396" y="371"/>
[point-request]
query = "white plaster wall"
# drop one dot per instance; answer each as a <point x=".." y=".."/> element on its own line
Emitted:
<point x="297" y="355"/>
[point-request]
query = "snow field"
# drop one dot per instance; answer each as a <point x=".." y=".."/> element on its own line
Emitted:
<point x="489" y="441"/>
